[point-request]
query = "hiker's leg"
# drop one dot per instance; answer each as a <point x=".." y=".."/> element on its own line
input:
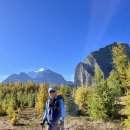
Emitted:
<point x="49" y="127"/>
<point x="55" y="126"/>
<point x="61" y="126"/>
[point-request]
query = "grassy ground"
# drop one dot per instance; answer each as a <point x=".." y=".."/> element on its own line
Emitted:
<point x="29" y="120"/>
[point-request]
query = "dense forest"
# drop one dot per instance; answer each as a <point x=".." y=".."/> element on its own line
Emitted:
<point x="101" y="100"/>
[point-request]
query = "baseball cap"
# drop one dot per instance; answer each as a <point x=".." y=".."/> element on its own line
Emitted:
<point x="51" y="90"/>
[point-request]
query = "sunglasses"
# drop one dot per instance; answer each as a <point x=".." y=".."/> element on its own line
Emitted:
<point x="52" y="91"/>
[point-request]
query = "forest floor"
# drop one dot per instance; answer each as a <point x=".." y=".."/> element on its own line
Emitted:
<point x="30" y="120"/>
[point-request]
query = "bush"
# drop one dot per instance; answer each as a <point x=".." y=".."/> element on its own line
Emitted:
<point x="14" y="119"/>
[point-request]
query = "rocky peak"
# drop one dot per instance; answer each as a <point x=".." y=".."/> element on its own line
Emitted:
<point x="84" y="71"/>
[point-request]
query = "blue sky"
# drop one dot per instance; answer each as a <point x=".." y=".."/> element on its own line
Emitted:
<point x="58" y="34"/>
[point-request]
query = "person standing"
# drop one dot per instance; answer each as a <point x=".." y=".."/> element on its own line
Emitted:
<point x="54" y="112"/>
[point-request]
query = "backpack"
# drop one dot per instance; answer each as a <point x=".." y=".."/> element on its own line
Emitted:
<point x="60" y="97"/>
<point x="56" y="101"/>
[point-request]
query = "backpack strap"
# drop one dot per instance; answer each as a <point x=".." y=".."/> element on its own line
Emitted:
<point x="53" y="103"/>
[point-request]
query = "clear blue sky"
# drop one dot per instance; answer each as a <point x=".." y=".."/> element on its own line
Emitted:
<point x="58" y="34"/>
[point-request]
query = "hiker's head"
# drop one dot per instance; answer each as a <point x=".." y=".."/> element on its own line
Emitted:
<point x="52" y="92"/>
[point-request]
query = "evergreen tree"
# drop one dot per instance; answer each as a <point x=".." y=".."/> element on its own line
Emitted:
<point x="11" y="106"/>
<point x="42" y="97"/>
<point x="96" y="104"/>
<point x="81" y="96"/>
<point x="5" y="103"/>
<point x="128" y="77"/>
<point x="98" y="74"/>
<point x="102" y="98"/>
<point x="127" y="107"/>
<point x="31" y="99"/>
<point x="1" y="108"/>
<point x="127" y="110"/>
<point x="61" y="91"/>
<point x="120" y="63"/>
<point x="74" y="92"/>
<point x="1" y="94"/>
<point x="22" y="99"/>
<point x="71" y="107"/>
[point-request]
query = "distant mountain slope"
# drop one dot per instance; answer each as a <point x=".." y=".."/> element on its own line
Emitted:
<point x="22" y="77"/>
<point x="46" y="75"/>
<point x="84" y="71"/>
<point x="39" y="76"/>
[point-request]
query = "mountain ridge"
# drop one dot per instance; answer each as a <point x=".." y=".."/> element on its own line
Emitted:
<point x="39" y="76"/>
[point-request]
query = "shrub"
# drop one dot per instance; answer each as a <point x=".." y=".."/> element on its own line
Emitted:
<point x="14" y="119"/>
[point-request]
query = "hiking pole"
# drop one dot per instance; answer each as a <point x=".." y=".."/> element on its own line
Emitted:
<point x="42" y="127"/>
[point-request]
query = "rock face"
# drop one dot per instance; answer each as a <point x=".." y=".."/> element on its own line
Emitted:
<point x="83" y="74"/>
<point x="85" y="70"/>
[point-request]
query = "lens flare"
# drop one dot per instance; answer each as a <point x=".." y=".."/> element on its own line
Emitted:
<point x="102" y="12"/>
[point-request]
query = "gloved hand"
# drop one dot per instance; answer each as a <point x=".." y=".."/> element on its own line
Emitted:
<point x="48" y="123"/>
<point x="61" y="122"/>
<point x="42" y="123"/>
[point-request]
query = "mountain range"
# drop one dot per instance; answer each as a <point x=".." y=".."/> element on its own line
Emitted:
<point x="84" y="71"/>
<point x="40" y="75"/>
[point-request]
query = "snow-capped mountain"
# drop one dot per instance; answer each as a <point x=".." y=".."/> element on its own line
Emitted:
<point x="40" y="75"/>
<point x="41" y="69"/>
<point x="34" y="74"/>
<point x="48" y="76"/>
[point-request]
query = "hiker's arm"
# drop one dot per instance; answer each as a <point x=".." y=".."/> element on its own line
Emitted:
<point x="63" y="111"/>
<point x="45" y="115"/>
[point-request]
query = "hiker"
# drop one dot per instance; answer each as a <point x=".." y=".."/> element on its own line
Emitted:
<point x="54" y="112"/>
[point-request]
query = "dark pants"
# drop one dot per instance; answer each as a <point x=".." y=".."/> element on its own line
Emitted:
<point x="54" y="126"/>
